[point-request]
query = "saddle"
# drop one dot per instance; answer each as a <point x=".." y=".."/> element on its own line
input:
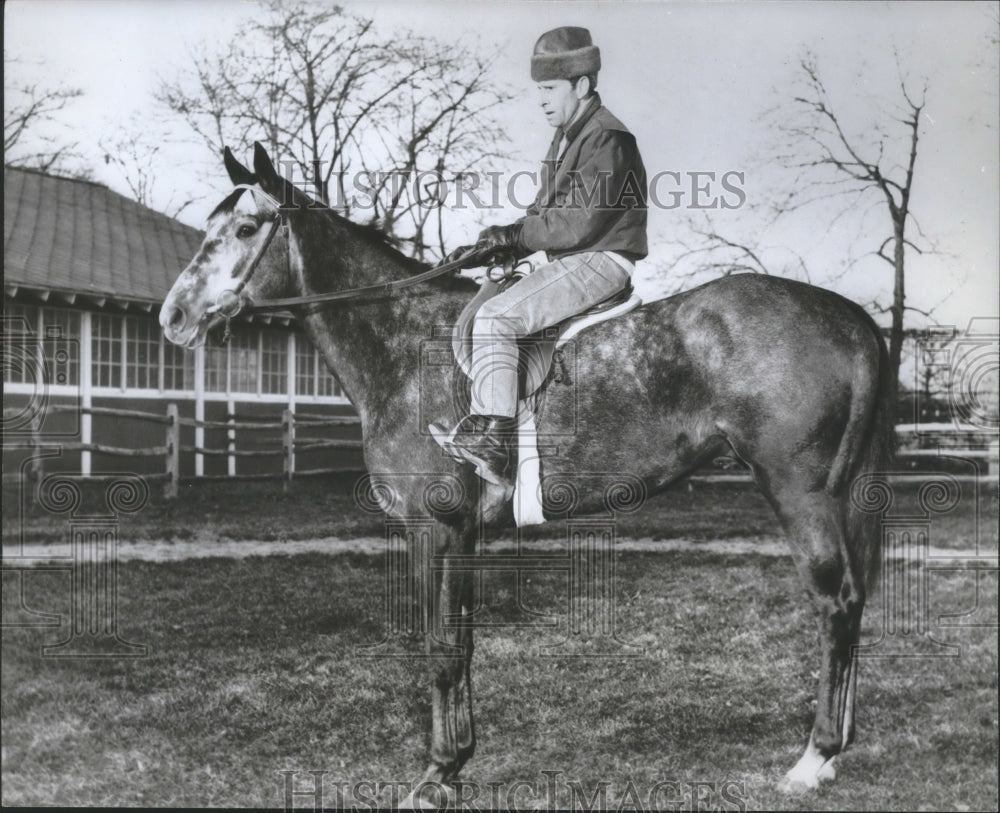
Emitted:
<point x="537" y="350"/>
<point x="535" y="362"/>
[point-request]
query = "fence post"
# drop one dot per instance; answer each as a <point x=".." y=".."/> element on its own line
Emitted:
<point x="288" y="445"/>
<point x="993" y="464"/>
<point x="173" y="451"/>
<point x="231" y="437"/>
<point x="35" y="471"/>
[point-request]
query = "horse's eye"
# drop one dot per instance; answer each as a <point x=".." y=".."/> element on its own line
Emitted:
<point x="246" y="231"/>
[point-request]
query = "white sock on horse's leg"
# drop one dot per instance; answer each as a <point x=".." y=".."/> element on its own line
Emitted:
<point x="811" y="769"/>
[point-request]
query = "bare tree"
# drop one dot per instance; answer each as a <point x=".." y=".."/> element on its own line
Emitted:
<point x="437" y="130"/>
<point x="31" y="110"/>
<point x="829" y="161"/>
<point x="358" y="113"/>
<point x="135" y="152"/>
<point x="817" y="158"/>
<point x="707" y="252"/>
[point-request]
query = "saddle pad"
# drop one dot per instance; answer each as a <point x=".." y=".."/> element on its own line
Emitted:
<point x="527" y="500"/>
<point x="536" y="351"/>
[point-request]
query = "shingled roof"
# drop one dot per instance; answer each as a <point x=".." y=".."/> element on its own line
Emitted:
<point x="73" y="237"/>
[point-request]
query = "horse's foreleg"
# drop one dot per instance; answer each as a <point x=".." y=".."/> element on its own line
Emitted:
<point x="449" y="652"/>
<point x="453" y="738"/>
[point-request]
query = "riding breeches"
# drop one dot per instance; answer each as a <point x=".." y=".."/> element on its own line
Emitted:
<point x="552" y="293"/>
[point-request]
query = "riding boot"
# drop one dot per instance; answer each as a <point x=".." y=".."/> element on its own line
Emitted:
<point x="484" y="441"/>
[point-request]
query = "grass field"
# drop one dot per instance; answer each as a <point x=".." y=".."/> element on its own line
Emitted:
<point x="324" y="507"/>
<point x="255" y="668"/>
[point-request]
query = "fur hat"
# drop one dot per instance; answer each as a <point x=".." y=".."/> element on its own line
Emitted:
<point x="564" y="53"/>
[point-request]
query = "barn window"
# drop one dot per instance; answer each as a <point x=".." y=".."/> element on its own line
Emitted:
<point x="326" y="384"/>
<point x="311" y="375"/>
<point x="178" y="367"/>
<point x="60" y="336"/>
<point x="305" y="367"/>
<point x="252" y="362"/>
<point x="106" y="350"/>
<point x="216" y="368"/>
<point x="273" y="362"/>
<point x="142" y="353"/>
<point x="20" y="319"/>
<point x="244" y="363"/>
<point x="21" y="354"/>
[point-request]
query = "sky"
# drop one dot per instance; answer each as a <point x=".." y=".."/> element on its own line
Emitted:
<point x="690" y="80"/>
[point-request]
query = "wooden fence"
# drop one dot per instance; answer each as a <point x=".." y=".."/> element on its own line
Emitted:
<point x="289" y="425"/>
<point x="942" y="440"/>
<point x="291" y="442"/>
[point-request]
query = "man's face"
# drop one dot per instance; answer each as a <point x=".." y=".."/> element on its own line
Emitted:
<point x="559" y="100"/>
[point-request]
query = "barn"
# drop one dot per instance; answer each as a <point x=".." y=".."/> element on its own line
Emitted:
<point x="85" y="271"/>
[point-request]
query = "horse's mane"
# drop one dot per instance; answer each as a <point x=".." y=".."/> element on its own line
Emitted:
<point x="371" y="235"/>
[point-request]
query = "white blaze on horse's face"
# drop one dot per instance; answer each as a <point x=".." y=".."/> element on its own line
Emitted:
<point x="234" y="236"/>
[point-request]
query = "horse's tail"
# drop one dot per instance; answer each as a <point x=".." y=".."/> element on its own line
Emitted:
<point x="873" y="455"/>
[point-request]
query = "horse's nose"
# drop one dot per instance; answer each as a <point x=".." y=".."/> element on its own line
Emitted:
<point x="173" y="318"/>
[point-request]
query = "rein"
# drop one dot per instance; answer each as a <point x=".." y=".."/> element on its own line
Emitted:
<point x="382" y="290"/>
<point x="231" y="302"/>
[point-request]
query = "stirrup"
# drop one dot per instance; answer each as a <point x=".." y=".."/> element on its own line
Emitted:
<point x="483" y="468"/>
<point x="445" y="437"/>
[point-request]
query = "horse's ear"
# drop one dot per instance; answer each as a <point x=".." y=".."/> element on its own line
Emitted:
<point x="266" y="173"/>
<point x="238" y="173"/>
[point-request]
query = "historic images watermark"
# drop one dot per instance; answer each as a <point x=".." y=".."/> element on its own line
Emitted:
<point x="964" y="366"/>
<point x="431" y="189"/>
<point x="550" y="790"/>
<point x="93" y="628"/>
<point x="905" y="627"/>
<point x="41" y="362"/>
<point x="585" y="564"/>
<point x="43" y="429"/>
<point x="580" y="573"/>
<point x="960" y="444"/>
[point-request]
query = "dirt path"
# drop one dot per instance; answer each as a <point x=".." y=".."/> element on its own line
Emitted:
<point x="165" y="550"/>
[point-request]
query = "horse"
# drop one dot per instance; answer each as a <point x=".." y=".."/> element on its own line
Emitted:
<point x="791" y="379"/>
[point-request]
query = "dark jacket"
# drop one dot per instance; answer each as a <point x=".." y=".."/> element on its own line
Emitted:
<point x="594" y="197"/>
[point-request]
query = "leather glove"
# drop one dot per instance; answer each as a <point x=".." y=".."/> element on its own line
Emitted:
<point x="467" y="253"/>
<point x="499" y="237"/>
<point x="499" y="245"/>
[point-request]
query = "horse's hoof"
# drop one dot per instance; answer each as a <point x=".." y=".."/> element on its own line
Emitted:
<point x="809" y="771"/>
<point x="796" y="785"/>
<point x="429" y="795"/>
<point x="828" y="771"/>
<point x="412" y="802"/>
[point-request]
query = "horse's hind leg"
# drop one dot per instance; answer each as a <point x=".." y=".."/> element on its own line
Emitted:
<point x="815" y="523"/>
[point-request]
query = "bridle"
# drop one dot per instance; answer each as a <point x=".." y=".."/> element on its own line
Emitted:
<point x="231" y="302"/>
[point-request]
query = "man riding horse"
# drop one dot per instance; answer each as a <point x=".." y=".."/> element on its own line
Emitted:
<point x="590" y="219"/>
